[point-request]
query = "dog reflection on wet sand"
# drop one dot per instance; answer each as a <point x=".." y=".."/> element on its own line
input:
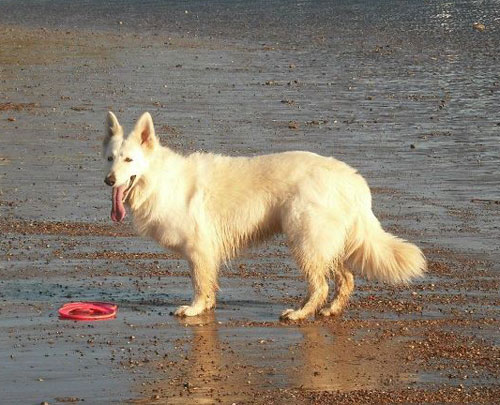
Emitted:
<point x="225" y="364"/>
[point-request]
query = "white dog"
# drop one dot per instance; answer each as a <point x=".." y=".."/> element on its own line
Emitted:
<point x="208" y="207"/>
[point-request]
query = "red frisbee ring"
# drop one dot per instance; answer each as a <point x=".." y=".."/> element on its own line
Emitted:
<point x="88" y="311"/>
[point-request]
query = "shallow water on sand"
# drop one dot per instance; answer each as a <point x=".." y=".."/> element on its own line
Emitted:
<point x="408" y="92"/>
<point x="405" y="91"/>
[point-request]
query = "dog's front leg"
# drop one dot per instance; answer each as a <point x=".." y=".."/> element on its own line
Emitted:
<point x="204" y="280"/>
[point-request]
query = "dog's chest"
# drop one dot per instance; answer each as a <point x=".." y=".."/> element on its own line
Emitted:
<point x="173" y="230"/>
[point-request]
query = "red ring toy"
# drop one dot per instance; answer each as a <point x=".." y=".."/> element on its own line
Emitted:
<point x="88" y="311"/>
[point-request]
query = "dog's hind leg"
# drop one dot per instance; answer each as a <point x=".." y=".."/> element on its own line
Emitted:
<point x="204" y="280"/>
<point x="316" y="275"/>
<point x="344" y="285"/>
<point x="316" y="240"/>
<point x="316" y="237"/>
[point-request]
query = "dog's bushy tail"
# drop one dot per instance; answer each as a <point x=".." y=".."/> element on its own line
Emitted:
<point x="376" y="254"/>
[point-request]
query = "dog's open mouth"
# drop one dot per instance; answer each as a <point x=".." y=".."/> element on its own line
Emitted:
<point x="119" y="196"/>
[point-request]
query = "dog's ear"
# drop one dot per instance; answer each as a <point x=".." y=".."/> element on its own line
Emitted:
<point x="113" y="127"/>
<point x="145" y="131"/>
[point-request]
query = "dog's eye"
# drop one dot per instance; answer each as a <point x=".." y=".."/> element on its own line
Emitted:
<point x="128" y="160"/>
<point x="110" y="158"/>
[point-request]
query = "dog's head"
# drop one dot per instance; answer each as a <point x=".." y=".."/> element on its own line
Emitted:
<point x="126" y="158"/>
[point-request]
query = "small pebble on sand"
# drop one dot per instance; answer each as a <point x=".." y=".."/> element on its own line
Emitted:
<point x="479" y="26"/>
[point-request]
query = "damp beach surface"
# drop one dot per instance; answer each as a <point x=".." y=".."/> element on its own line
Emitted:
<point x="407" y="92"/>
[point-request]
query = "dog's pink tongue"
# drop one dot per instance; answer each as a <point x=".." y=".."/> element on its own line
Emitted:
<point x="118" y="210"/>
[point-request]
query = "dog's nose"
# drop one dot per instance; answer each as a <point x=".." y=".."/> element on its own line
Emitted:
<point x="110" y="179"/>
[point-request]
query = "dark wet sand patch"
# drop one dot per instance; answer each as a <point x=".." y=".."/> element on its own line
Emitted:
<point x="17" y="106"/>
<point x="63" y="228"/>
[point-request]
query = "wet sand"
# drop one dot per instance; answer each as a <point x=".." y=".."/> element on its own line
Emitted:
<point x="420" y="124"/>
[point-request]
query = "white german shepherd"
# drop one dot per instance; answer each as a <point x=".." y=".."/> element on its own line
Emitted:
<point x="208" y="207"/>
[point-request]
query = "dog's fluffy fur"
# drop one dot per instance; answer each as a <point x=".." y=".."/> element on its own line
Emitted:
<point x="208" y="207"/>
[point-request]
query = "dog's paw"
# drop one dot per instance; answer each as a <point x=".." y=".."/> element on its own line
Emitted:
<point x="327" y="312"/>
<point x="333" y="310"/>
<point x="188" y="310"/>
<point x="292" y="315"/>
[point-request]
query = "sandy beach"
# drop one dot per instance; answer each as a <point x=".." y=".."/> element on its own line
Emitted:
<point x="408" y="96"/>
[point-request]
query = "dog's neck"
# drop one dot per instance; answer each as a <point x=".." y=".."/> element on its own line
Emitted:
<point x="146" y="187"/>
